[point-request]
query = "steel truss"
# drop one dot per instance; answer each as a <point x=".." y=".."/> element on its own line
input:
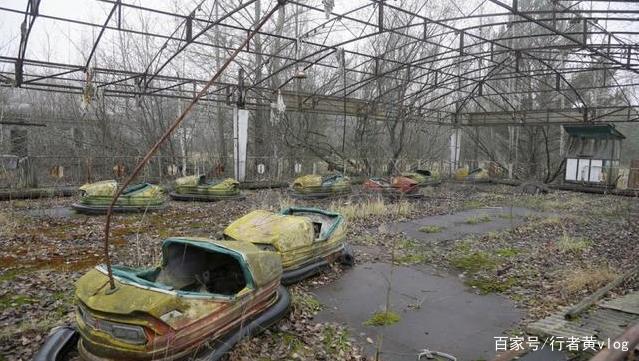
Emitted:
<point x="479" y="71"/>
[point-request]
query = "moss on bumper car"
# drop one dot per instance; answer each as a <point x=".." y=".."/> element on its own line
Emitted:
<point x="198" y="188"/>
<point x="204" y="297"/>
<point x="96" y="198"/>
<point x="476" y="175"/>
<point x="306" y="239"/>
<point x="423" y="177"/>
<point x="317" y="186"/>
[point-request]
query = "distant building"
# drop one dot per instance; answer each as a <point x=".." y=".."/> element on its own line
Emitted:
<point x="593" y="154"/>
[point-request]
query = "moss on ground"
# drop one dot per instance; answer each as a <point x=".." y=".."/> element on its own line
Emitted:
<point x="474" y="261"/>
<point x="383" y="318"/>
<point x="14" y="301"/>
<point x="484" y="218"/>
<point x="487" y="284"/>
<point x="430" y="229"/>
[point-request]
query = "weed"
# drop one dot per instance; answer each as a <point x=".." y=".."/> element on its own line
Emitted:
<point x="474" y="261"/>
<point x="373" y="208"/>
<point x="14" y="301"/>
<point x="335" y="340"/>
<point x="506" y="215"/>
<point x="588" y="279"/>
<point x="305" y="302"/>
<point x="507" y="252"/>
<point x="411" y="259"/>
<point x="473" y="204"/>
<point x="487" y="285"/>
<point x="383" y="318"/>
<point x="430" y="229"/>
<point x="293" y="342"/>
<point x="573" y="245"/>
<point x="478" y="219"/>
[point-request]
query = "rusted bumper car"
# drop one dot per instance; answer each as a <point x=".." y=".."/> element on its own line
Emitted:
<point x="423" y="177"/>
<point x="395" y="187"/>
<point x="96" y="198"/>
<point x="476" y="175"/>
<point x="306" y="239"/>
<point x="204" y="297"/>
<point x="314" y="186"/>
<point x="198" y="188"/>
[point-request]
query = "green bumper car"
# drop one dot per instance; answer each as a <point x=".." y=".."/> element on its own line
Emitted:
<point x="316" y="186"/>
<point x="197" y="188"/>
<point x="96" y="198"/>
<point x="423" y="177"/>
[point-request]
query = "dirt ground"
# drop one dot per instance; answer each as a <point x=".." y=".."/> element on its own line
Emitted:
<point x="571" y="245"/>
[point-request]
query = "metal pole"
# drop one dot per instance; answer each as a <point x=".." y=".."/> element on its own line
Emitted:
<point x="344" y="80"/>
<point x="168" y="132"/>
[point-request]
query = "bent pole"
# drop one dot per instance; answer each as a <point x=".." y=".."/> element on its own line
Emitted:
<point x="176" y="123"/>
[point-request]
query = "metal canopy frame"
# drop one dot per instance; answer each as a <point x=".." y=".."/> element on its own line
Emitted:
<point x="475" y="73"/>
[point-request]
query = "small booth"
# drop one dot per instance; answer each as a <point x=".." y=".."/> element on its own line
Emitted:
<point x="592" y="157"/>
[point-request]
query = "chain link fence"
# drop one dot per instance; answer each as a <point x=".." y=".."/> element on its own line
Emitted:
<point x="55" y="171"/>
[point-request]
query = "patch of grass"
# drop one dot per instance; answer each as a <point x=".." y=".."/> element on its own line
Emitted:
<point x="487" y="285"/>
<point x="587" y="280"/>
<point x="410" y="252"/>
<point x="552" y="220"/>
<point x="462" y="247"/>
<point x="292" y="342"/>
<point x="474" y="261"/>
<point x="478" y="219"/>
<point x="430" y="229"/>
<point x="507" y="215"/>
<point x="573" y="245"/>
<point x="14" y="301"/>
<point x="305" y="302"/>
<point x="473" y="204"/>
<point x="507" y="252"/>
<point x="11" y="274"/>
<point x="411" y="259"/>
<point x="383" y="318"/>
<point x="371" y="208"/>
<point x="335" y="340"/>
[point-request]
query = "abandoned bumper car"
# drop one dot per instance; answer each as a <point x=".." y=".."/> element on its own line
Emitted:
<point x="197" y="188"/>
<point x="395" y="187"/>
<point x="307" y="239"/>
<point x="314" y="186"/>
<point x="203" y="299"/>
<point x="423" y="177"/>
<point x="96" y="198"/>
<point x="476" y="175"/>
